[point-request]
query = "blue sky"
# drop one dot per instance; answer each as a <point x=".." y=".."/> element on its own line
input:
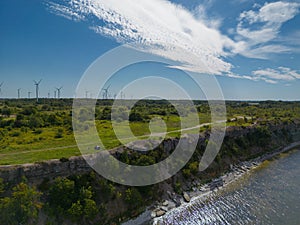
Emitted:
<point x="252" y="47"/>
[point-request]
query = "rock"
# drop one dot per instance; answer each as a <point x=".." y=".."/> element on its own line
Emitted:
<point x="169" y="194"/>
<point x="160" y="213"/>
<point x="171" y="205"/>
<point x="186" y="197"/>
<point x="164" y="208"/>
<point x="153" y="214"/>
<point x="165" y="203"/>
<point x="177" y="202"/>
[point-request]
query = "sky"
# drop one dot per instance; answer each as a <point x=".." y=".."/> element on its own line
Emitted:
<point x="252" y="47"/>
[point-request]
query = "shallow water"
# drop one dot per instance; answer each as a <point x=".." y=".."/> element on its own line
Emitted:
<point x="269" y="194"/>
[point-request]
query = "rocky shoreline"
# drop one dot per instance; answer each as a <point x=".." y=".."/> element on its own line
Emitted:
<point x="155" y="213"/>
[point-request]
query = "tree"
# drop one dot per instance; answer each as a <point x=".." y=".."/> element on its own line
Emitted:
<point x="75" y="211"/>
<point x="133" y="197"/>
<point x="22" y="207"/>
<point x="2" y="185"/>
<point x="35" y="121"/>
<point x="6" y="111"/>
<point x="90" y="209"/>
<point x="68" y="198"/>
<point x="61" y="194"/>
<point x="135" y="117"/>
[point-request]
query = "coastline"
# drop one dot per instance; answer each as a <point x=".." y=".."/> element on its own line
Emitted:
<point x="156" y="212"/>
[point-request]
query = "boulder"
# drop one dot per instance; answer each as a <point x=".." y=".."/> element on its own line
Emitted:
<point x="164" y="208"/>
<point x="153" y="214"/>
<point x="171" y="205"/>
<point x="186" y="197"/>
<point x="160" y="213"/>
<point x="165" y="203"/>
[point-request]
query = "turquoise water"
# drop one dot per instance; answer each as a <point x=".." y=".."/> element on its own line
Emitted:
<point x="268" y="195"/>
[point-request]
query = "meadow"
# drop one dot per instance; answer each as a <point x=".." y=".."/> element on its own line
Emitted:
<point x="31" y="132"/>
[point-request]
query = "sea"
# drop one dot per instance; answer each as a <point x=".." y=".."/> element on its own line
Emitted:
<point x="269" y="194"/>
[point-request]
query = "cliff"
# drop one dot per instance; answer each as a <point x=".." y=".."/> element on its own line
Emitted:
<point x="280" y="134"/>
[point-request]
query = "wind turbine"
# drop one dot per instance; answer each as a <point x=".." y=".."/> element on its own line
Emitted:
<point x="105" y="92"/>
<point x="58" y="91"/>
<point x="54" y="94"/>
<point x="19" y="89"/>
<point x="122" y="95"/>
<point x="29" y="92"/>
<point x="0" y="87"/>
<point x="37" y="89"/>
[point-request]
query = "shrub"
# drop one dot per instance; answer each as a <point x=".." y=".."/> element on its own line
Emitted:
<point x="64" y="159"/>
<point x="133" y="197"/>
<point x="22" y="207"/>
<point x="38" y="131"/>
<point x="59" y="133"/>
<point x="15" y="134"/>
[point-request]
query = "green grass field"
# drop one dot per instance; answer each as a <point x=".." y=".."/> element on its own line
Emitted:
<point x="32" y="133"/>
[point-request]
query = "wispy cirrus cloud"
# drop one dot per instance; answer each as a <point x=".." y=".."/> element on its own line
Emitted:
<point x="269" y="75"/>
<point x="281" y="73"/>
<point x="65" y="11"/>
<point x="160" y="26"/>
<point x="155" y="22"/>
<point x="258" y="30"/>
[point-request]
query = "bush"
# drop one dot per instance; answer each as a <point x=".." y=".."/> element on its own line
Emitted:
<point x="35" y="121"/>
<point x="63" y="159"/>
<point x="2" y="186"/>
<point x="67" y="198"/>
<point x="15" y="134"/>
<point x="22" y="207"/>
<point x="38" y="131"/>
<point x="177" y="187"/>
<point x="135" y="117"/>
<point x="59" y="133"/>
<point x="133" y="197"/>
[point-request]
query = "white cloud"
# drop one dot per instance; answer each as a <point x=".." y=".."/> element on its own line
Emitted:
<point x="157" y="22"/>
<point x="275" y="75"/>
<point x="165" y="28"/>
<point x="200" y="13"/>
<point x="257" y="28"/>
<point x="272" y="76"/>
<point x="64" y="11"/>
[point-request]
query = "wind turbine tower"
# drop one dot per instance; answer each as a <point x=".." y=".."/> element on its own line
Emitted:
<point x="19" y="89"/>
<point x="37" y="89"/>
<point x="122" y="95"/>
<point x="29" y="93"/>
<point x="105" y="92"/>
<point x="58" y="91"/>
<point x="0" y="87"/>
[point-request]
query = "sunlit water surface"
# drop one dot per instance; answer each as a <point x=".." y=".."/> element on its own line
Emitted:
<point x="268" y="195"/>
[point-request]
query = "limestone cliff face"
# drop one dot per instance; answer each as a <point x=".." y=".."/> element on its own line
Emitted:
<point x="36" y="172"/>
